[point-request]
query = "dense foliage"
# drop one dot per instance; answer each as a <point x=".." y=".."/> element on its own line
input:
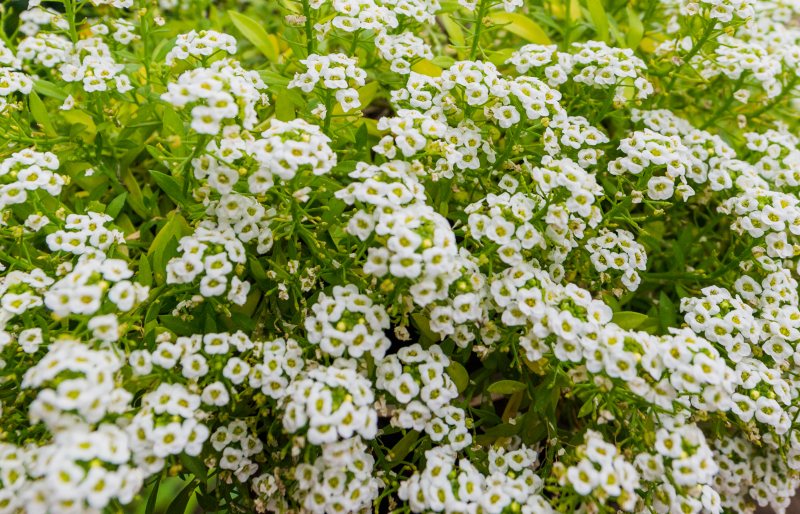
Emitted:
<point x="472" y="256"/>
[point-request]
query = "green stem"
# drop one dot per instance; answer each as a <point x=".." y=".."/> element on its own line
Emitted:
<point x="326" y="125"/>
<point x="567" y="23"/>
<point x="354" y="46"/>
<point x="308" y="27"/>
<point x="69" y="8"/>
<point x="692" y="52"/>
<point x="478" y="25"/>
<point x="724" y="107"/>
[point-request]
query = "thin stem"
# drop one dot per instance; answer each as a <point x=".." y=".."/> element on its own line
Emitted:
<point x="326" y="125"/>
<point x="478" y="25"/>
<point x="692" y="52"/>
<point x="722" y="108"/>
<point x="69" y="9"/>
<point x="308" y="27"/>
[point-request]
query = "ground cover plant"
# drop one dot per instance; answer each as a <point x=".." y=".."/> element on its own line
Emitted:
<point x="328" y="256"/>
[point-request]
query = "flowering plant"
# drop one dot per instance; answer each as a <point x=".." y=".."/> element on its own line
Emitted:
<point x="462" y="256"/>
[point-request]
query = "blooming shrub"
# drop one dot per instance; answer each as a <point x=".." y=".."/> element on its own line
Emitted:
<point x="464" y="256"/>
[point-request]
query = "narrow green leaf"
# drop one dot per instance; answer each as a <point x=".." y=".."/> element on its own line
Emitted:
<point x="145" y="274"/>
<point x="257" y="271"/>
<point x="403" y="446"/>
<point x="667" y="314"/>
<point x="255" y="33"/>
<point x="178" y="505"/>
<point x="629" y="320"/>
<point x="284" y="108"/>
<point x="635" y="29"/>
<point x="506" y="387"/>
<point x="151" y="500"/>
<point x="169" y="185"/>
<point x="503" y="430"/>
<point x="520" y="25"/>
<point x="135" y="198"/>
<point x="599" y="18"/>
<point x="587" y="408"/>
<point x="40" y="114"/>
<point x="180" y="328"/>
<point x="195" y="465"/>
<point x="454" y="31"/>
<point x="46" y="88"/>
<point x="116" y="205"/>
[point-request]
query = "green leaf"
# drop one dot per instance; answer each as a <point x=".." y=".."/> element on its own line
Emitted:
<point x="172" y="122"/>
<point x="443" y="61"/>
<point x="423" y="324"/>
<point x="453" y="30"/>
<point x="145" y="274"/>
<point x="499" y="57"/>
<point x="599" y="18"/>
<point x="169" y="185"/>
<point x="459" y="375"/>
<point x="177" y="325"/>
<point x="257" y="271"/>
<point x="403" y="447"/>
<point x="503" y="430"/>
<point x="587" y="408"/>
<point x="135" y="198"/>
<point x="116" y="205"/>
<point x="195" y="465"/>
<point x="255" y="33"/>
<point x="534" y="428"/>
<point x="40" y="114"/>
<point x="284" y="108"/>
<point x="667" y="313"/>
<point x="165" y="243"/>
<point x="151" y="500"/>
<point x="629" y="320"/>
<point x="520" y="25"/>
<point x="506" y="387"/>
<point x="45" y="88"/>
<point x="178" y="505"/>
<point x="82" y="125"/>
<point x="635" y="29"/>
<point x="426" y="67"/>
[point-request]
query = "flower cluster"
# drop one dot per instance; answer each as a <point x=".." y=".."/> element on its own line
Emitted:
<point x="211" y="254"/>
<point x="602" y="473"/>
<point x="200" y="45"/>
<point x="348" y="322"/>
<point x="236" y="446"/>
<point x="415" y="380"/>
<point x="27" y="171"/>
<point x="402" y="49"/>
<point x="618" y="251"/>
<point x="218" y="95"/>
<point x="333" y="72"/>
<point x="659" y="163"/>
<point x="340" y="479"/>
<point x="593" y="63"/>
<point x="450" y="485"/>
<point x="330" y="404"/>
<point x="283" y="151"/>
<point x="682" y="454"/>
